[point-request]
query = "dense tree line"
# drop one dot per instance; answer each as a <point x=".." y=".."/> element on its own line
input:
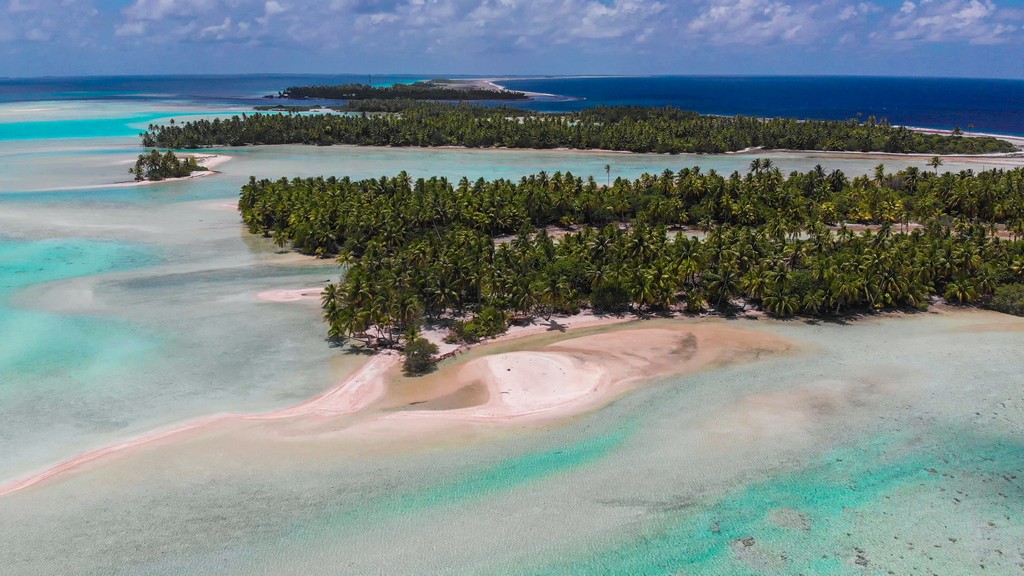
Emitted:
<point x="156" y="166"/>
<point x="417" y="91"/>
<point x="371" y="105"/>
<point x="427" y="248"/>
<point x="633" y="129"/>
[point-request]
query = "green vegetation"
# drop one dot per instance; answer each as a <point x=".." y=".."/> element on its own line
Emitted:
<point x="419" y="355"/>
<point x="283" y="108"/>
<point x="431" y="90"/>
<point x="1009" y="299"/>
<point x="634" y="129"/>
<point x="430" y="249"/>
<point x="489" y="322"/>
<point x="391" y="106"/>
<point x="155" y="166"/>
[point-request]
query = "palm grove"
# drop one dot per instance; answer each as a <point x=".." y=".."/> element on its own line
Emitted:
<point x="481" y="251"/>
<point x="155" y="166"/>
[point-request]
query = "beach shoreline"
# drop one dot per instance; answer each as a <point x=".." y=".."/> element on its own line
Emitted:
<point x="1017" y="158"/>
<point x="355" y="393"/>
<point x="609" y="362"/>
<point x="583" y="372"/>
<point x="609" y="367"/>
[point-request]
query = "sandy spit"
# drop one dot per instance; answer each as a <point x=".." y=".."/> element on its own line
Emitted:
<point x="554" y="381"/>
<point x="355" y="393"/>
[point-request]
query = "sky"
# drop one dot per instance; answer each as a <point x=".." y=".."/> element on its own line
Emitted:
<point x="973" y="38"/>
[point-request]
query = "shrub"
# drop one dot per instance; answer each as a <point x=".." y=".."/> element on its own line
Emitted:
<point x="1009" y="299"/>
<point x="420" y="354"/>
<point x="610" y="298"/>
<point x="489" y="322"/>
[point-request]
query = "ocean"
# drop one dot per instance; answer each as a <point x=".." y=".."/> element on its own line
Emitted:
<point x="981" y="105"/>
<point x="992" y="106"/>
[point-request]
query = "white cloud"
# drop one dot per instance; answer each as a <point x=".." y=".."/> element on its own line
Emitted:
<point x="133" y="28"/>
<point x="756" y="22"/>
<point x="20" y="6"/>
<point x="974" y="21"/>
<point x="59" y="21"/>
<point x="217" y="32"/>
<point x="520" y="32"/>
<point x="38" y="35"/>
<point x="460" y="26"/>
<point x="615" y="21"/>
<point x="161" y="9"/>
<point x="270" y="8"/>
<point x="853" y="11"/>
<point x="210" y="21"/>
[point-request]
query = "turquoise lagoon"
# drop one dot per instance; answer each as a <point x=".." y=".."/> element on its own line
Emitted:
<point x="909" y="464"/>
<point x="886" y="445"/>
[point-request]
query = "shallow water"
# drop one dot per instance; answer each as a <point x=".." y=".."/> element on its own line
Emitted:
<point x="128" y="309"/>
<point x="820" y="458"/>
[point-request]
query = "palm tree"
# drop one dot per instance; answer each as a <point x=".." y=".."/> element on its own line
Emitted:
<point x="427" y="247"/>
<point x="608" y="173"/>
<point x="1018" y="267"/>
<point x="960" y="290"/>
<point x="935" y="162"/>
<point x="781" y="303"/>
<point x="723" y="284"/>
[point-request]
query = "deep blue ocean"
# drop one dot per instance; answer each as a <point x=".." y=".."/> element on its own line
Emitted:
<point x="995" y="106"/>
<point x="989" y="105"/>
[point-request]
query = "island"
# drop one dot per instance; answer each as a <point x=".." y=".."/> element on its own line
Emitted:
<point x="437" y="89"/>
<point x="620" y="128"/>
<point x="155" y="166"/>
<point x="480" y="255"/>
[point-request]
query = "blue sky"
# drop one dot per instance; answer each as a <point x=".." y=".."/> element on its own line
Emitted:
<point x="980" y="38"/>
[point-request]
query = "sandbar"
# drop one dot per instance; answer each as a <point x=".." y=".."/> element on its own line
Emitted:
<point x="554" y="381"/>
<point x="586" y="372"/>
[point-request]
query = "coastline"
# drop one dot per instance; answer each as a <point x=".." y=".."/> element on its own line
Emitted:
<point x="354" y="394"/>
<point x="492" y="84"/>
<point x="1015" y="157"/>
<point x="609" y="362"/>
<point x="585" y="371"/>
<point x="1008" y="158"/>
<point x="1015" y="140"/>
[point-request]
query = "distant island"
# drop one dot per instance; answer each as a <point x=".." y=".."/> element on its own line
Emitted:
<point x="621" y="128"/>
<point x="438" y="89"/>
